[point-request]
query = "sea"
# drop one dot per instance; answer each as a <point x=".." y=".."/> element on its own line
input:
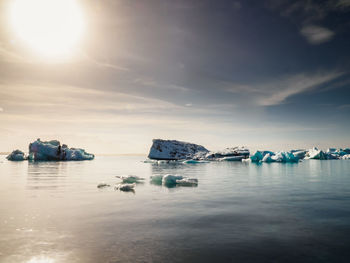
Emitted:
<point x="238" y="212"/>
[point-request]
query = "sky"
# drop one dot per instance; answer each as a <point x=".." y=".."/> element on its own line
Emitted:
<point x="271" y="74"/>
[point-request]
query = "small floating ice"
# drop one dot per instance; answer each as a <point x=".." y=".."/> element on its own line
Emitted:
<point x="125" y="187"/>
<point x="129" y="179"/>
<point x="102" y="185"/>
<point x="187" y="182"/>
<point x="17" y="155"/>
<point x="173" y="180"/>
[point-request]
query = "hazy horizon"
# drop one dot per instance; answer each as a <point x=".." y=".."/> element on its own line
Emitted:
<point x="262" y="74"/>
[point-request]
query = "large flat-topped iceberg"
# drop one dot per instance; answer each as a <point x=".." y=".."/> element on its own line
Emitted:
<point x="54" y="151"/>
<point x="178" y="150"/>
<point x="175" y="150"/>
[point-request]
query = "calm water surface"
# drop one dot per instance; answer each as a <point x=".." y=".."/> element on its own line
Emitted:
<point x="53" y="212"/>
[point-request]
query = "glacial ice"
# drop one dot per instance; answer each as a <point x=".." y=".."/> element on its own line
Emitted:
<point x="17" y="155"/>
<point x="269" y="157"/>
<point x="175" y="150"/>
<point x="53" y="151"/>
<point x="129" y="179"/>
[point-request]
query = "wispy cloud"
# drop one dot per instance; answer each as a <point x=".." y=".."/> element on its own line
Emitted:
<point x="316" y="35"/>
<point x="277" y="91"/>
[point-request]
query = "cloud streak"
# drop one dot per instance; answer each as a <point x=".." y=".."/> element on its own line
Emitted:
<point x="316" y="35"/>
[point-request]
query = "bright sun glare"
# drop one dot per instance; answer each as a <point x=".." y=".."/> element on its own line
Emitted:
<point x="51" y="28"/>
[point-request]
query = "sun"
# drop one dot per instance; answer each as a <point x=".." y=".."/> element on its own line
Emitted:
<point x="51" y="28"/>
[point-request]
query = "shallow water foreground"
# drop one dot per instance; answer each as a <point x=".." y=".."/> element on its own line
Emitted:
<point x="54" y="212"/>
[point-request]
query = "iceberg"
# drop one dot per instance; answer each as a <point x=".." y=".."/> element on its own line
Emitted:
<point x="285" y="157"/>
<point x="230" y="154"/>
<point x="300" y="154"/>
<point x="17" y="155"/>
<point x="172" y="150"/>
<point x="258" y="156"/>
<point x="269" y="157"/>
<point x="315" y="153"/>
<point x="53" y="151"/>
<point x="175" y="150"/>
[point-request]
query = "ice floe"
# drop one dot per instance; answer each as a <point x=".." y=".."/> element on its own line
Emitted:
<point x="17" y="155"/>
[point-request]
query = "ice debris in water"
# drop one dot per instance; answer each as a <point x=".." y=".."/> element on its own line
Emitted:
<point x="103" y="185"/>
<point x="17" y="155"/>
<point x="54" y="151"/>
<point x="125" y="187"/>
<point x="173" y="180"/>
<point x="129" y="179"/>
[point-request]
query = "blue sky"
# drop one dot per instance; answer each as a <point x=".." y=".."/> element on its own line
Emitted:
<point x="265" y="74"/>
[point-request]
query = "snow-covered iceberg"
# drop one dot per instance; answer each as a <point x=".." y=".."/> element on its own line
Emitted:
<point x="17" y="155"/>
<point x="54" y="151"/>
<point x="192" y="153"/>
<point x="175" y="150"/>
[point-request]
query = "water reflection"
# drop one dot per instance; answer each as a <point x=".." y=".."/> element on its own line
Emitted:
<point x="46" y="175"/>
